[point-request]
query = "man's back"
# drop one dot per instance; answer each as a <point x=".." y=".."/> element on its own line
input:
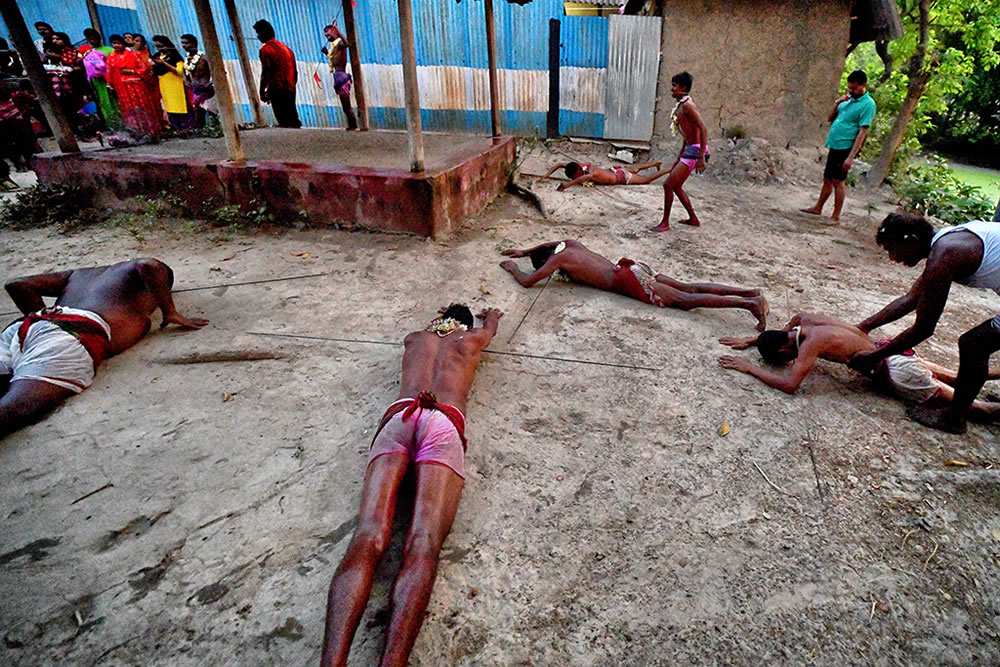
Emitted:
<point x="836" y="342"/>
<point x="444" y="366"/>
<point x="585" y="266"/>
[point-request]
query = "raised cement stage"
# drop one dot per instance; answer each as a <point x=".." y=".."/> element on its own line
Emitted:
<point x="337" y="178"/>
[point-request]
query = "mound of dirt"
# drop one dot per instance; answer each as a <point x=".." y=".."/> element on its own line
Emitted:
<point x="755" y="160"/>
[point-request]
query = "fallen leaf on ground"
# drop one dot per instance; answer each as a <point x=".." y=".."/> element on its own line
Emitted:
<point x="226" y="396"/>
<point x="303" y="255"/>
<point x="226" y="259"/>
<point x="724" y="429"/>
<point x="958" y="464"/>
<point x="482" y="288"/>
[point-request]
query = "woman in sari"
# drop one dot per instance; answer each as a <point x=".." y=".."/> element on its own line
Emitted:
<point x="169" y="68"/>
<point x="95" y="55"/>
<point x="127" y="74"/>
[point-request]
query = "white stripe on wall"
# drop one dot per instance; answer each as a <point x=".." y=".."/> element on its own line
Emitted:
<point x="120" y="4"/>
<point x="447" y="87"/>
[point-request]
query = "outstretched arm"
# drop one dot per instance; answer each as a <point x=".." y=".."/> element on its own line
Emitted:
<point x="739" y="342"/>
<point x="529" y="279"/>
<point x="27" y="292"/>
<point x="491" y="320"/>
<point x="515" y="252"/>
<point x="156" y="277"/>
<point x="575" y="181"/>
<point x="787" y="381"/>
<point x="900" y="307"/>
<point x="551" y="171"/>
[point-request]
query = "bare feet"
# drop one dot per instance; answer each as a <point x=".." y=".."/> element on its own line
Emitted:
<point x="664" y="226"/>
<point x="942" y="419"/>
<point x="693" y="221"/>
<point x="811" y="210"/>
<point x="832" y="221"/>
<point x="759" y="309"/>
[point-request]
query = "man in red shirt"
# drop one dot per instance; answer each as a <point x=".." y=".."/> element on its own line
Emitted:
<point x="277" y="76"/>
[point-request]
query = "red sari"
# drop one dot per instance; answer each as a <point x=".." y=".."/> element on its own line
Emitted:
<point x="139" y="108"/>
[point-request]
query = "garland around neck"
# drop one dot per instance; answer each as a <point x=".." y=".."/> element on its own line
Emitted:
<point x="674" y="126"/>
<point x="444" y="326"/>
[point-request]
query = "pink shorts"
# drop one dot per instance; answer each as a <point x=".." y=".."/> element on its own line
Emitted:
<point x="427" y="436"/>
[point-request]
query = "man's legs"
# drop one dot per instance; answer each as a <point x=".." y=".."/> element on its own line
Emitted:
<point x="824" y="194"/>
<point x="438" y="491"/>
<point x="27" y="400"/>
<point x="974" y="350"/>
<point x="670" y="186"/>
<point x="283" y="105"/>
<point x="345" y="103"/>
<point x="716" y="296"/>
<point x="839" y="192"/>
<point x="352" y="583"/>
<point x="636" y="168"/>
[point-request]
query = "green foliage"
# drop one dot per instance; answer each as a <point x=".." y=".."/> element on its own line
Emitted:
<point x="68" y="206"/>
<point x="963" y="37"/>
<point x="930" y="189"/>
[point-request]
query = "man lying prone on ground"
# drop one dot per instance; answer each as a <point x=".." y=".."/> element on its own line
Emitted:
<point x="425" y="426"/>
<point x="573" y="261"/>
<point x="579" y="172"/>
<point x="809" y="336"/>
<point x="52" y="353"/>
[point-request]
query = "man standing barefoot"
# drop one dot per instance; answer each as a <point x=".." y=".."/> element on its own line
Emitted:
<point x="851" y="117"/>
<point x="694" y="154"/>
<point x="426" y="424"/>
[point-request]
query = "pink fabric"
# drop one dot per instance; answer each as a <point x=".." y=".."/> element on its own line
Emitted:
<point x="425" y="435"/>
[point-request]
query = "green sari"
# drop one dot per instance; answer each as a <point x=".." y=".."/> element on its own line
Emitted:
<point x="107" y="106"/>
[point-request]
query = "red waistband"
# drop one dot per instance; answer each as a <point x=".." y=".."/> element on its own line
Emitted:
<point x="425" y="399"/>
<point x="91" y="335"/>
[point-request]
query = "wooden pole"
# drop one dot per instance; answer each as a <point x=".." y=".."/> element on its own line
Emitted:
<point x="359" y="84"/>
<point x="21" y="38"/>
<point x="241" y="52"/>
<point x="95" y="20"/>
<point x="552" y="119"/>
<point x="416" y="138"/>
<point x="223" y="94"/>
<point x="491" y="49"/>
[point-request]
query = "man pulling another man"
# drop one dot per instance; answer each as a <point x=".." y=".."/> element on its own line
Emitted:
<point x="52" y="353"/>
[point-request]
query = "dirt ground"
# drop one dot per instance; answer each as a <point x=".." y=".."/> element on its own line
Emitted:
<point x="193" y="513"/>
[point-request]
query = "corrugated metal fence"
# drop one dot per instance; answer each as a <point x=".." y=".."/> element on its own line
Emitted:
<point x="451" y="59"/>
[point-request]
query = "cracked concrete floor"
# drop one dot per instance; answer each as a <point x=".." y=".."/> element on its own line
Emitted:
<point x="193" y="513"/>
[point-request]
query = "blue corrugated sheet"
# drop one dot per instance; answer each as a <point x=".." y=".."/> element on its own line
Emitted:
<point x="68" y="16"/>
<point x="583" y="41"/>
<point x="115" y="20"/>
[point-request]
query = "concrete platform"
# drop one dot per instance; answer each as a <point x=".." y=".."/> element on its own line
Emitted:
<point x="331" y="177"/>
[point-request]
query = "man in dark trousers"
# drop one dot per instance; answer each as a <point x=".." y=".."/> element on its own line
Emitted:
<point x="278" y="74"/>
<point x="337" y="55"/>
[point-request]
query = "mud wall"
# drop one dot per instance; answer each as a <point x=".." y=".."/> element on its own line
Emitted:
<point x="769" y="66"/>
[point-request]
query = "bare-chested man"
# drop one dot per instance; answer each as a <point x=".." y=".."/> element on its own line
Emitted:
<point x="810" y="336"/>
<point x="52" y="353"/>
<point x="337" y="55"/>
<point x="686" y="120"/>
<point x="577" y="263"/>
<point x="426" y="425"/>
<point x="580" y="172"/>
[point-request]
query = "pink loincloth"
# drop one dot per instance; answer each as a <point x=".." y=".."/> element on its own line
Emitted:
<point x="425" y="430"/>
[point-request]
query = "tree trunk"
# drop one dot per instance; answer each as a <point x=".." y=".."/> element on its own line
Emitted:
<point x="919" y="76"/>
<point x="996" y="215"/>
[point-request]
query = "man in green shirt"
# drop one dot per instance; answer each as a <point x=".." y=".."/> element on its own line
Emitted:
<point x="851" y="117"/>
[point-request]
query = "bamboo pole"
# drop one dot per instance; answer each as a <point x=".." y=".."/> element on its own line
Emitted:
<point x="241" y="52"/>
<point x="21" y="38"/>
<point x="416" y="138"/>
<point x="491" y="49"/>
<point x="95" y="20"/>
<point x="220" y="79"/>
<point x="359" y="84"/>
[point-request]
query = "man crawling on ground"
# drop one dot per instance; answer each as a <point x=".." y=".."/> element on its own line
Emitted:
<point x="426" y="426"/>
<point x="809" y="336"/>
<point x="579" y="172"/>
<point x="52" y="353"/>
<point x="572" y="261"/>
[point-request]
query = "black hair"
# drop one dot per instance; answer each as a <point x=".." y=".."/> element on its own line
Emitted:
<point x="683" y="80"/>
<point x="38" y="23"/>
<point x="541" y="254"/>
<point x="4" y="93"/>
<point x="857" y="76"/>
<point x="771" y="346"/>
<point x="116" y="38"/>
<point x="189" y="37"/>
<point x="138" y="35"/>
<point x="163" y="39"/>
<point x="64" y="37"/>
<point x="460" y="313"/>
<point x="325" y="28"/>
<point x="264" y="28"/>
<point x="572" y="169"/>
<point x="90" y="32"/>
<point x="898" y="226"/>
<point x="169" y="55"/>
<point x="170" y="276"/>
